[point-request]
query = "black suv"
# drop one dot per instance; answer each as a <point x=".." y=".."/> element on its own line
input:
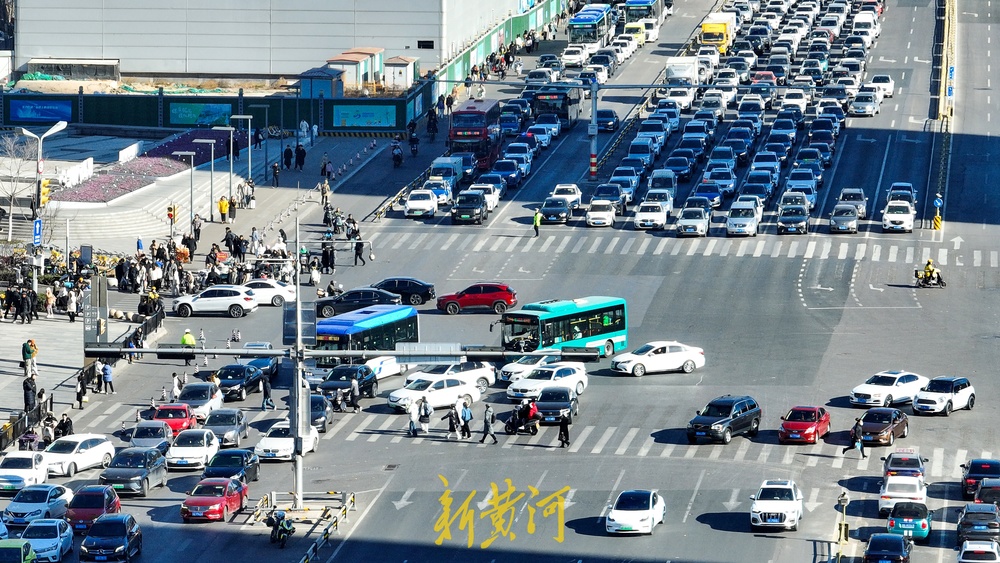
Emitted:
<point x="988" y="491"/>
<point x="612" y="193"/>
<point x="723" y="417"/>
<point x="340" y="378"/>
<point x="469" y="208"/>
<point x="975" y="470"/>
<point x="979" y="522"/>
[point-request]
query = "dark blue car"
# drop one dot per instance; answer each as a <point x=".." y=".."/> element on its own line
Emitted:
<point x="510" y="172"/>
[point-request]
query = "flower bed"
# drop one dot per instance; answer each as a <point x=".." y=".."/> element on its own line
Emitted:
<point x="121" y="179"/>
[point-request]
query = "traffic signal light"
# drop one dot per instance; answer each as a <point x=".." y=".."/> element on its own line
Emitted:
<point x="43" y="193"/>
<point x="170" y="213"/>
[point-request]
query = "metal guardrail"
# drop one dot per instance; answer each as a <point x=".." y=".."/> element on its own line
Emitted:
<point x="333" y="518"/>
<point x="21" y="421"/>
<point x="260" y="511"/>
<point x="389" y="202"/>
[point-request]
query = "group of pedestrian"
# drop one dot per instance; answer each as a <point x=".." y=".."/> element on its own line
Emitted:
<point x="22" y="302"/>
<point x="298" y="154"/>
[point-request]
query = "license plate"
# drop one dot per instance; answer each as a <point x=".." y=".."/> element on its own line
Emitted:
<point x="791" y="229"/>
<point x="699" y="433"/>
<point x="465" y="216"/>
<point x="181" y="462"/>
<point x="980" y="528"/>
<point x="8" y="487"/>
<point x="550" y="419"/>
<point x="795" y="436"/>
<point x="197" y="514"/>
<point x="689" y="229"/>
<point x="100" y="557"/>
<point x="906" y="526"/>
<point x="18" y="520"/>
<point x="625" y="528"/>
<point x="867" y="438"/>
<point x="552" y="217"/>
<point x="270" y="455"/>
<point x="884" y="561"/>
<point x="80" y="526"/>
<point x="772" y="521"/>
<point x="117" y="486"/>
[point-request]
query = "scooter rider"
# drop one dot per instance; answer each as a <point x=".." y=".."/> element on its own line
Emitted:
<point x="414" y="143"/>
<point x="931" y="274"/>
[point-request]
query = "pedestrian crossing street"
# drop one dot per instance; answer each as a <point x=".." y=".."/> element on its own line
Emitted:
<point x="649" y="244"/>
<point x="585" y="440"/>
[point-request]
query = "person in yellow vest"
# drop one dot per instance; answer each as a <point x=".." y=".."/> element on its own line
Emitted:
<point x="224" y="209"/>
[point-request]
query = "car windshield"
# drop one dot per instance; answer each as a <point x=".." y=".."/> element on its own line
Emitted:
<point x="564" y="191"/>
<point x="553" y="203"/>
<point x="693" y="214"/>
<point x="844" y="212"/>
<point x="876" y="417"/>
<point x="280" y="432"/>
<point x="936" y="386"/>
<point x="130" y="460"/>
<point x="467" y="199"/>
<point x="40" y="532"/>
<point x="881" y="380"/>
<point x="317" y="403"/>
<point x="221" y="419"/>
<point x="676" y="162"/>
<point x="230" y="373"/>
<point x="741" y="213"/>
<point x="226" y="461"/>
<point x="801" y="175"/>
<point x="107" y="529"/>
<point x="907" y="487"/>
<point x="852" y="196"/>
<point x="148" y="432"/>
<point x="16" y="463"/>
<point x="600" y="207"/>
<point x="637" y="500"/>
<point x="652" y="208"/>
<point x="775" y="493"/>
<point x="190" y="440"/>
<point x="792" y="211"/>
<point x="717" y="410"/>
<point x="418" y="385"/>
<point x="554" y="396"/>
<point x="897" y="210"/>
<point x="800" y="416"/>
<point x="87" y="500"/>
<point x="191" y="393"/>
<point x="904" y="463"/>
<point x="62" y="447"/>
<point x="209" y="491"/>
<point x="31" y="496"/>
<point x="541" y="374"/>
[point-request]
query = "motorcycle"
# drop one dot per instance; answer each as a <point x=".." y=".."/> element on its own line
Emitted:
<point x="332" y="290"/>
<point x="281" y="528"/>
<point x="414" y="145"/>
<point x="515" y="424"/>
<point x="926" y="279"/>
<point x="397" y="157"/>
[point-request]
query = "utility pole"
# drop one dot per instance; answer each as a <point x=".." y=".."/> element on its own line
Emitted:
<point x="301" y="420"/>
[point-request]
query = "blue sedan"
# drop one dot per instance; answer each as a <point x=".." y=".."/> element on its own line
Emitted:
<point x="510" y="171"/>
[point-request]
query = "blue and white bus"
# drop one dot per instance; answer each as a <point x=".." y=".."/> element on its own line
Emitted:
<point x="378" y="327"/>
<point x="593" y="322"/>
<point x="592" y="27"/>
<point x="636" y="10"/>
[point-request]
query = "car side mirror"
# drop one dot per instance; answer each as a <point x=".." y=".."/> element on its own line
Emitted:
<point x="697" y="413"/>
<point x="753" y="497"/>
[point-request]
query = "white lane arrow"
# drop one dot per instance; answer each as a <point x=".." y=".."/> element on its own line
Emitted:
<point x="878" y="289"/>
<point x="404" y="501"/>
<point x="568" y="502"/>
<point x="733" y="503"/>
<point x="485" y="503"/>
<point x="973" y="14"/>
<point x="812" y="503"/>
<point x="885" y="60"/>
<point x="821" y="288"/>
<point x="866" y="140"/>
<point x="958" y="242"/>
<point x="917" y="60"/>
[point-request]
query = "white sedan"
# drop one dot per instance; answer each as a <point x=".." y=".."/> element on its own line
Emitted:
<point x="77" y="452"/>
<point x="480" y="374"/>
<point x="541" y="134"/>
<point x="440" y="391"/>
<point x="35" y="502"/>
<point x="272" y="291"/>
<point x="50" y="539"/>
<point x="897" y="488"/>
<point x="19" y="469"/>
<point x="885" y="83"/>
<point x="899" y="216"/>
<point x="651" y="215"/>
<point x="420" y="203"/>
<point x="659" y="356"/>
<point x="887" y="388"/>
<point x="559" y="374"/>
<point x="601" y="214"/>
<point x="279" y="443"/>
<point x="635" y="512"/>
<point x="192" y="449"/>
<point x="522" y="366"/>
<point x="569" y="192"/>
<point x="693" y="221"/>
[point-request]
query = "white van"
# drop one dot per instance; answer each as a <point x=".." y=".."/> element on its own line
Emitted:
<point x="867" y="20"/>
<point x="652" y="29"/>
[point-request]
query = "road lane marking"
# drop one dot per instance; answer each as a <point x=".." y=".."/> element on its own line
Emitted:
<point x="893" y="253"/>
<point x="545" y="245"/>
<point x="578" y="245"/>
<point x="691" y="450"/>
<point x="842" y="253"/>
<point x="726" y="247"/>
<point x="742" y="250"/>
<point x="810" y="249"/>
<point x="709" y="247"/>
<point x="361" y="427"/>
<point x="669" y="449"/>
<point x="814" y="453"/>
<point x="513" y="244"/>
<point x="381" y="429"/>
<point x="937" y="462"/>
<point x="562" y="245"/>
<point x="757" y="252"/>
<point x="876" y="252"/>
<point x="629" y="436"/>
<point x="628" y="245"/>
<point x="607" y="501"/>
<point x="764" y="453"/>
<point x="450" y="241"/>
<point x="603" y="440"/>
<point x="716" y="452"/>
<point x="741" y="452"/>
<point x="925" y="254"/>
<point x="479" y="245"/>
<point x="694" y="494"/>
<point x="529" y="244"/>
<point x="676" y="249"/>
<point x="789" y="456"/>
<point x="943" y="256"/>
<point x="357" y="522"/>
<point x="643" y="246"/>
<point x="776" y="251"/>
<point x="825" y="252"/>
<point x="575" y="447"/>
<point x="660" y="246"/>
<point x="863" y="464"/>
<point x="960" y="457"/>
<point x="646" y="445"/>
<point x="793" y="248"/>
<point x="611" y="247"/>
<point x="838" y="462"/>
<point x="336" y="427"/>
<point x="496" y="245"/>
<point x="859" y="252"/>
<point x="593" y="247"/>
<point x="977" y="258"/>
<point x="420" y="239"/>
<point x="994" y="259"/>
<point x="399" y="243"/>
<point x="694" y="247"/>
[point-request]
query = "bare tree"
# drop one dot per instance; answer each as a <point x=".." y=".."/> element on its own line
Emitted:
<point x="17" y="160"/>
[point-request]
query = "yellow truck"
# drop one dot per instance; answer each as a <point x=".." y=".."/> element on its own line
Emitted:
<point x="719" y="29"/>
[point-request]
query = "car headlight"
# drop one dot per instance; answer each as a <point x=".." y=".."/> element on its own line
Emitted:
<point x="120" y="549"/>
<point x="214" y="507"/>
<point x="563" y="412"/>
<point x="717" y="427"/>
<point x="136" y="478"/>
<point x="83" y="549"/>
<point x="35" y="513"/>
<point x="321" y="419"/>
<point x="883" y="432"/>
<point x="229" y="435"/>
<point x="876" y="395"/>
<point x="48" y="548"/>
<point x="185" y="507"/>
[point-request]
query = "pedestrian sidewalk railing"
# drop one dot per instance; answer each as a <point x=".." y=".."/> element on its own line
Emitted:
<point x="21" y="421"/>
<point x="330" y="518"/>
<point x="262" y="510"/>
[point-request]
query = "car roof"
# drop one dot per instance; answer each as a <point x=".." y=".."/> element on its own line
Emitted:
<point x="93" y="490"/>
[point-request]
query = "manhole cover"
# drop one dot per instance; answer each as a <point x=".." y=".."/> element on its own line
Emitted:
<point x="391" y="467"/>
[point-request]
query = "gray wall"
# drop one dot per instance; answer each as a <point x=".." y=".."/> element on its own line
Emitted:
<point x="246" y="37"/>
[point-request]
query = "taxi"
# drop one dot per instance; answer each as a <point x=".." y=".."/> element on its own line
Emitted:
<point x="910" y="519"/>
<point x="905" y="462"/>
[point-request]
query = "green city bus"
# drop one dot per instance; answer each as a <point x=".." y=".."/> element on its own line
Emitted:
<point x="593" y="322"/>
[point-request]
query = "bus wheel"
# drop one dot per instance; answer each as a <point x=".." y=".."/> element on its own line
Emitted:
<point x="609" y="348"/>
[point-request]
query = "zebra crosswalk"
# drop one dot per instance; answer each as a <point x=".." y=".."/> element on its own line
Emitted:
<point x="626" y="243"/>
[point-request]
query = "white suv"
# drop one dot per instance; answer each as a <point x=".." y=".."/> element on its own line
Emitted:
<point x="778" y="504"/>
<point x="234" y="300"/>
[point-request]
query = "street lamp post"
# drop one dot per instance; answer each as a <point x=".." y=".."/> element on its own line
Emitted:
<point x="39" y="161"/>
<point x="267" y="111"/>
<point x="230" y="129"/>
<point x="191" y="210"/>
<point x="249" y="120"/>
<point x="211" y="182"/>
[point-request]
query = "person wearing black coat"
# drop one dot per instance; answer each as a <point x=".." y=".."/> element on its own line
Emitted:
<point x="287" y="157"/>
<point x="563" y="431"/>
<point x="30" y="393"/>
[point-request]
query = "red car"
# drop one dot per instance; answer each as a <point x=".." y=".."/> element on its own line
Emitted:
<point x="804" y="425"/>
<point x="491" y="295"/>
<point x="215" y="499"/>
<point x="90" y="502"/>
<point x="178" y="416"/>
